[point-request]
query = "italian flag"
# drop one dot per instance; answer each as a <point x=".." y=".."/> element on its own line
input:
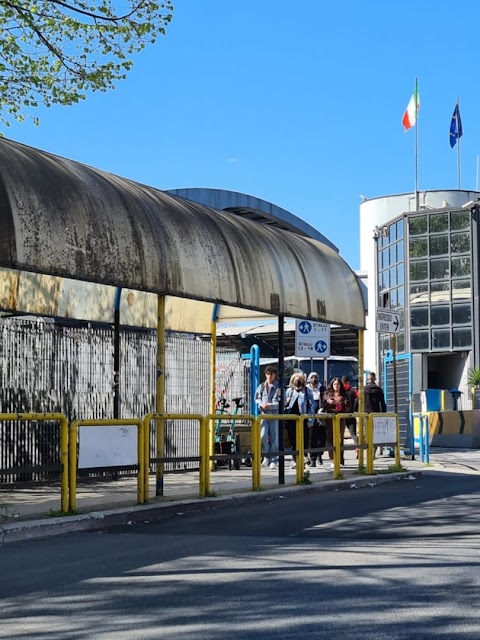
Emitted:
<point x="411" y="112"/>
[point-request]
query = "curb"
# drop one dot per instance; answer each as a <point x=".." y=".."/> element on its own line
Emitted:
<point x="98" y="520"/>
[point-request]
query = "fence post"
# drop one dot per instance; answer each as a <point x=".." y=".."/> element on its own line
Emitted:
<point x="256" y="453"/>
<point x="300" y="462"/>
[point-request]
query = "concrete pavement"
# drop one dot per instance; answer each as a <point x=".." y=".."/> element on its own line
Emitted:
<point x="34" y="511"/>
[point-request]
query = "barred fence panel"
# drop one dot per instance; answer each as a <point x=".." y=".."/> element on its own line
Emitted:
<point x="47" y="367"/>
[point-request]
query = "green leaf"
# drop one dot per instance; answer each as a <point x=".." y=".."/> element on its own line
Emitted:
<point x="56" y="54"/>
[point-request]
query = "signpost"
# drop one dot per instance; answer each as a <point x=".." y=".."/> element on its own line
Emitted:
<point x="389" y="322"/>
<point x="312" y="339"/>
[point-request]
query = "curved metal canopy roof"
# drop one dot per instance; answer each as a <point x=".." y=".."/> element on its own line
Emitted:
<point x="253" y="208"/>
<point x="62" y="218"/>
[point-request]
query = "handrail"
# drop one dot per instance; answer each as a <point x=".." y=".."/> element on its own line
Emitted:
<point x="45" y="417"/>
<point x="72" y="451"/>
<point x="233" y="417"/>
<point x="202" y="448"/>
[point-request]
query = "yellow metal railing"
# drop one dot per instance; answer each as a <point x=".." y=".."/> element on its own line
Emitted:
<point x="299" y="451"/>
<point x="210" y="443"/>
<point x="365" y="435"/>
<point x="338" y="446"/>
<point x="374" y="442"/>
<point x="161" y="458"/>
<point x="73" y="449"/>
<point x="369" y="437"/>
<point x="50" y="417"/>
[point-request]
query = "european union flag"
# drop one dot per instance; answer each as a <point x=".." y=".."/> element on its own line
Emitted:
<point x="456" y="129"/>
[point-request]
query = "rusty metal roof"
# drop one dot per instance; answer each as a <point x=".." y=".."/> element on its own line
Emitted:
<point x="62" y="218"/>
<point x="257" y="209"/>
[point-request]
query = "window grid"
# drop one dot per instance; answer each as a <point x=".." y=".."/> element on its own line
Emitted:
<point x="440" y="281"/>
<point x="391" y="278"/>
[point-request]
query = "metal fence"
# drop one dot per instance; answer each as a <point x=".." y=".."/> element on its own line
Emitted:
<point x="49" y="367"/>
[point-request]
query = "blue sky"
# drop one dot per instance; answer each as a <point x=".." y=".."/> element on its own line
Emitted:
<point x="299" y="103"/>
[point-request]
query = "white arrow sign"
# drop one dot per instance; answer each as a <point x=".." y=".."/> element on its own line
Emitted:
<point x="388" y="321"/>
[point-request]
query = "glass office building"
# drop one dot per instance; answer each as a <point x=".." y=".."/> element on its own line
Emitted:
<point x="423" y="265"/>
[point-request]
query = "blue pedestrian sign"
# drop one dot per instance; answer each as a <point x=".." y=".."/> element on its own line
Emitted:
<point x="305" y="327"/>
<point x="312" y="339"/>
<point x="321" y="346"/>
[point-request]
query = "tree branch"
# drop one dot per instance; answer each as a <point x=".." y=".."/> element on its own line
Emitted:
<point x="98" y="16"/>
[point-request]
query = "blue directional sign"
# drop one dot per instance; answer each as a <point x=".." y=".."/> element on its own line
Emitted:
<point x="321" y="346"/>
<point x="305" y="327"/>
<point x="312" y="339"/>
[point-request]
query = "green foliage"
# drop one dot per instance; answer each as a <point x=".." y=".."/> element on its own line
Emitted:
<point x="393" y="468"/>
<point x="306" y="478"/>
<point x="211" y="494"/>
<point x="54" y="52"/>
<point x="361" y="471"/>
<point x="473" y="378"/>
<point x="53" y="513"/>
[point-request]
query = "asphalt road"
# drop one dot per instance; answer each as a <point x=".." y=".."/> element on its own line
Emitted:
<point x="396" y="561"/>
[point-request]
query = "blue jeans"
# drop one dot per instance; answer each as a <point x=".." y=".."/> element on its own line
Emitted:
<point x="269" y="439"/>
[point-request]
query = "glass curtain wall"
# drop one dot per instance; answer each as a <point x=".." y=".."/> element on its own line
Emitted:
<point x="440" y="281"/>
<point x="391" y="278"/>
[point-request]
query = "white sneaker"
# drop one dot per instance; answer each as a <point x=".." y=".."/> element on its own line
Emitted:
<point x="293" y="465"/>
<point x="273" y="465"/>
<point x="264" y="462"/>
<point x="332" y="465"/>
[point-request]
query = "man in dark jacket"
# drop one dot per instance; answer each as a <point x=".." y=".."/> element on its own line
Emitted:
<point x="374" y="398"/>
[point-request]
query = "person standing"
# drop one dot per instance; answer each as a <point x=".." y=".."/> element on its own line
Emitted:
<point x="335" y="401"/>
<point x="267" y="399"/>
<point x="351" y="423"/>
<point x="317" y="433"/>
<point x="374" y="397"/>
<point x="298" y="401"/>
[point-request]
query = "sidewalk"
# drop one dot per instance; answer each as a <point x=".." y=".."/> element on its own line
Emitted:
<point x="27" y="513"/>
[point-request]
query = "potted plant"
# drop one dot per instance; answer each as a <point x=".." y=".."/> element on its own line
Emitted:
<point x="473" y="379"/>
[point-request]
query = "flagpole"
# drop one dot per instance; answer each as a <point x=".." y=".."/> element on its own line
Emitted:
<point x="417" y="201"/>
<point x="458" y="149"/>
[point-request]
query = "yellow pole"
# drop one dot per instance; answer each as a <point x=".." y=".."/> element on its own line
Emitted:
<point x="72" y="465"/>
<point x="336" y="448"/>
<point x="203" y="456"/>
<point x="361" y="398"/>
<point x="141" y="462"/>
<point x="64" y="462"/>
<point x="207" y="462"/>
<point x="160" y="401"/>
<point x="300" y="449"/>
<point x="370" y="446"/>
<point x="146" y="455"/>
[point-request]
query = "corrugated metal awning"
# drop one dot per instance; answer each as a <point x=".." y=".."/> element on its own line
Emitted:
<point x="62" y="218"/>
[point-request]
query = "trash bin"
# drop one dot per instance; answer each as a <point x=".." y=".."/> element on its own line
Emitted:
<point x="431" y="399"/>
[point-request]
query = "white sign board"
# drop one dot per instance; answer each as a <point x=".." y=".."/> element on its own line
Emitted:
<point x="312" y="339"/>
<point x="384" y="430"/>
<point x="107" y="446"/>
<point x="388" y="321"/>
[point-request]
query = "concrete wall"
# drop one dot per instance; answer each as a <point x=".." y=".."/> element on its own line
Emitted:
<point x="455" y="429"/>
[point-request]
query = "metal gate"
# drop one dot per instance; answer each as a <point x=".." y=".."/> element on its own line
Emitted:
<point x="404" y="396"/>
